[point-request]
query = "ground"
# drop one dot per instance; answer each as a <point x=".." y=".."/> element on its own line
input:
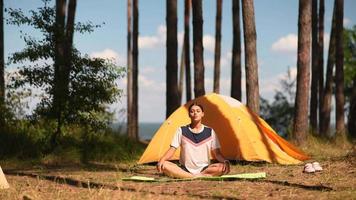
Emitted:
<point x="103" y="181"/>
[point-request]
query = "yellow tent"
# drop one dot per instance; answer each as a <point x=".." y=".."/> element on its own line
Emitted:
<point x="242" y="134"/>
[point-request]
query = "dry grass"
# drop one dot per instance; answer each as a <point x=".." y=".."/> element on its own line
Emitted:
<point x="99" y="181"/>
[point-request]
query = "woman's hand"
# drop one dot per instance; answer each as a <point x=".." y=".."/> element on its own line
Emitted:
<point x="166" y="156"/>
<point x="160" y="166"/>
<point x="226" y="168"/>
<point x="221" y="159"/>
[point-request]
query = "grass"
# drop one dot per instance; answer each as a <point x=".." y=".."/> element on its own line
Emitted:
<point x="27" y="141"/>
<point x="61" y="175"/>
<point x="324" y="148"/>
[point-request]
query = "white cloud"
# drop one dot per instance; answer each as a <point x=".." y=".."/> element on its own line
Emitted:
<point x="148" y="70"/>
<point x="162" y="31"/>
<point x="284" y="76"/>
<point x="225" y="61"/>
<point x="286" y="44"/>
<point x="289" y="44"/>
<point x="268" y="86"/>
<point x="326" y="41"/>
<point x="153" y="41"/>
<point x="225" y="86"/>
<point x="180" y="39"/>
<point x="149" y="42"/>
<point x="209" y="43"/>
<point x="111" y="55"/>
<point x="347" y="22"/>
<point x="105" y="54"/>
<point x="209" y="63"/>
<point x="151" y="97"/>
<point x="158" y="40"/>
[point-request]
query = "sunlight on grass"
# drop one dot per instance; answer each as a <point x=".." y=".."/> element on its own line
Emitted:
<point x="323" y="149"/>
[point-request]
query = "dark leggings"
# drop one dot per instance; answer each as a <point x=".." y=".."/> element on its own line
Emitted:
<point x="185" y="169"/>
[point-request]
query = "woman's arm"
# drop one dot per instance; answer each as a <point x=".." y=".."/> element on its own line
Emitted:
<point x="170" y="152"/>
<point x="219" y="157"/>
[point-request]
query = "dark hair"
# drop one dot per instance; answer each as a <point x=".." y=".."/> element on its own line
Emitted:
<point x="195" y="104"/>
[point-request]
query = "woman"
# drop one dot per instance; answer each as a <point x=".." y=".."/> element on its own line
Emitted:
<point x="196" y="141"/>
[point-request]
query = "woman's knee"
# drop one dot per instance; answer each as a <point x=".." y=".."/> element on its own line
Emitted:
<point x="167" y="165"/>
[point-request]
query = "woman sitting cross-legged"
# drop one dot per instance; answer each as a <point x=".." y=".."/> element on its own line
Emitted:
<point x="196" y="142"/>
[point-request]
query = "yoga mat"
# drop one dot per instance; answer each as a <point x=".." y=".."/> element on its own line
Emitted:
<point x="214" y="178"/>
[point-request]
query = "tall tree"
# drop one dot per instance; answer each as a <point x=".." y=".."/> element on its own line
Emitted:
<point x="313" y="117"/>
<point x="69" y="33"/>
<point x="327" y="91"/>
<point x="321" y="55"/>
<point x="63" y="61"/>
<point x="350" y="77"/>
<point x="300" y="125"/>
<point x="135" y="70"/>
<point x="130" y="125"/>
<point x="2" y="63"/>
<point x="352" y="112"/>
<point x="199" y="89"/>
<point x="251" y="67"/>
<point x="58" y="96"/>
<point x="181" y="75"/>
<point x="92" y="80"/>
<point x="187" y="5"/>
<point x="217" y="46"/>
<point x="171" y="66"/>
<point x="236" y="52"/>
<point x="339" y="68"/>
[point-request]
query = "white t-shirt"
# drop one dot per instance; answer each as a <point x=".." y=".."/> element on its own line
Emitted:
<point x="195" y="147"/>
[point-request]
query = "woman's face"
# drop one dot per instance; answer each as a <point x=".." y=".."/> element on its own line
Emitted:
<point x="196" y="114"/>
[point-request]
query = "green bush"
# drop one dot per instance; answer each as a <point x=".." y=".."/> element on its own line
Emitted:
<point x="31" y="140"/>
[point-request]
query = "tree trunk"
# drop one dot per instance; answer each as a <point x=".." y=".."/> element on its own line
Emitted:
<point x="217" y="47"/>
<point x="327" y="92"/>
<point x="135" y="71"/>
<point x="187" y="4"/>
<point x="339" y="71"/>
<point x="300" y="126"/>
<point x="313" y="117"/>
<point x="199" y="89"/>
<point x="251" y="66"/>
<point x="59" y="69"/>
<point x="69" y="34"/>
<point x="172" y="66"/>
<point x="352" y="113"/>
<point x="63" y="60"/>
<point x="130" y="125"/>
<point x="181" y="76"/>
<point x="321" y="57"/>
<point x="2" y="66"/>
<point x="236" y="52"/>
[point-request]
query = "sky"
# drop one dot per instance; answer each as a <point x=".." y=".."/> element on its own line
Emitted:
<point x="276" y="27"/>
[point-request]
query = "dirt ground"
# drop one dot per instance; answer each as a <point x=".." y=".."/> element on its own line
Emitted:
<point x="99" y="181"/>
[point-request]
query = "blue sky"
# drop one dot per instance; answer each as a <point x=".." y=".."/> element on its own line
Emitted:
<point x="276" y="25"/>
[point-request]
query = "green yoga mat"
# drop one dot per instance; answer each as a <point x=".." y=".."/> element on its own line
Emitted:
<point x="214" y="178"/>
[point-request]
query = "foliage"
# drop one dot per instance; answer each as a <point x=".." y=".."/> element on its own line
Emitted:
<point x="349" y="59"/>
<point x="30" y="140"/>
<point x="92" y="80"/>
<point x="279" y="114"/>
<point x="24" y="140"/>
